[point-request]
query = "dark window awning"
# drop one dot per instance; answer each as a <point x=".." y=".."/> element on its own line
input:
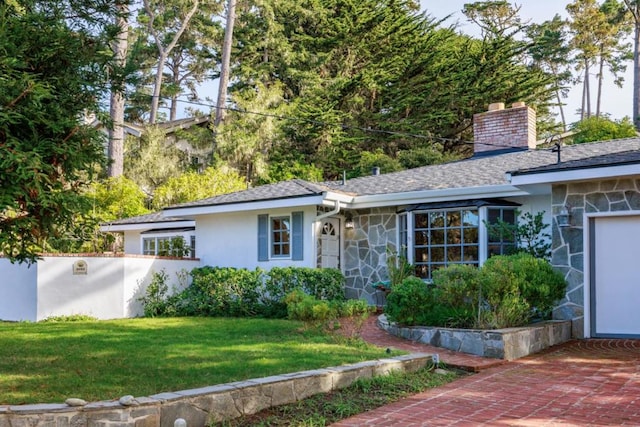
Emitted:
<point x="472" y="203"/>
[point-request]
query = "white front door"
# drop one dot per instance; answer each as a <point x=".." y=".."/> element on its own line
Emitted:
<point x="330" y="243"/>
<point x="615" y="276"/>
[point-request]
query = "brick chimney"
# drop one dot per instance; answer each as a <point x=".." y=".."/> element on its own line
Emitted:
<point x="504" y="129"/>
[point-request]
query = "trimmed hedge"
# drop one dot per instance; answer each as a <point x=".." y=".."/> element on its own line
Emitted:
<point x="239" y="292"/>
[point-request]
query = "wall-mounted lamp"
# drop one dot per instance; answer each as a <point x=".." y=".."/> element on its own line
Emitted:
<point x="564" y="217"/>
<point x="348" y="221"/>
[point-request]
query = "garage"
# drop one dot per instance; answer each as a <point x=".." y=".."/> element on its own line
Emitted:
<point x="614" y="245"/>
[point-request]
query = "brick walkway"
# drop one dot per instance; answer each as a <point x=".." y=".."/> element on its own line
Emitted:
<point x="580" y="383"/>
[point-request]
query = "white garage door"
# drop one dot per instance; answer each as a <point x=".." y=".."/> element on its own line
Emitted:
<point x="615" y="276"/>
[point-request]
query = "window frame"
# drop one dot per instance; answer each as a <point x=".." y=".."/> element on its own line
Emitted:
<point x="273" y="244"/>
<point x="407" y="235"/>
<point x="154" y="244"/>
<point x="445" y="232"/>
<point x="502" y="243"/>
<point x="296" y="238"/>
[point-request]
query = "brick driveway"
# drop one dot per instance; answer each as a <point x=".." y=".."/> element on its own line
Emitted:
<point x="581" y="383"/>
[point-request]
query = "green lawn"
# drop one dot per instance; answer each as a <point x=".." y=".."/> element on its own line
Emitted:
<point x="103" y="360"/>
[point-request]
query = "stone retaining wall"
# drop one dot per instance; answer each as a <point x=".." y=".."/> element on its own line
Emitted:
<point x="208" y="404"/>
<point x="508" y="343"/>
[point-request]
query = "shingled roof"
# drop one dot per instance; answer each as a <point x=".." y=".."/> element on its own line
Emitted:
<point x="473" y="172"/>
<point x="281" y="190"/>
<point x="611" y="159"/>
<point x="482" y="171"/>
<point x="152" y="218"/>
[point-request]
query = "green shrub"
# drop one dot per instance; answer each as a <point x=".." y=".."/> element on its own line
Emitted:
<point x="223" y="291"/>
<point x="218" y="291"/>
<point x="447" y="316"/>
<point x="324" y="314"/>
<point x="154" y="302"/>
<point x="508" y="311"/>
<point x="537" y="282"/>
<point x="69" y="318"/>
<point x="458" y="285"/>
<point x="530" y="232"/>
<point x="353" y="308"/>
<point x="509" y="290"/>
<point x="309" y="309"/>
<point x="323" y="284"/>
<point x="398" y="267"/>
<point x="408" y="302"/>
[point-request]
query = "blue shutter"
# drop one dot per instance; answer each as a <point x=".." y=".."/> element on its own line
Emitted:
<point x="263" y="237"/>
<point x="297" y="233"/>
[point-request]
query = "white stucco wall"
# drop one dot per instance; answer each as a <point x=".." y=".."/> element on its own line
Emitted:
<point x="18" y="291"/>
<point x="109" y="290"/>
<point x="535" y="204"/>
<point x="231" y="240"/>
<point x="98" y="293"/>
<point x="138" y="273"/>
<point x="132" y="242"/>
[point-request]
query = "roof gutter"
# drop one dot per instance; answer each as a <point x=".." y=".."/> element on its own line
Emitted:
<point x="568" y="175"/>
<point x="410" y="197"/>
<point x="287" y="202"/>
<point x="110" y="227"/>
<point x="330" y="213"/>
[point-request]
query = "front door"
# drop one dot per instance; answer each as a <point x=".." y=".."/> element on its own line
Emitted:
<point x="330" y="243"/>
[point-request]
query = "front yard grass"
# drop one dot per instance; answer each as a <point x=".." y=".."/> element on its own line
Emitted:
<point x="104" y="360"/>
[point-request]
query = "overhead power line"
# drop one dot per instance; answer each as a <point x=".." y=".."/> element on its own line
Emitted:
<point x="344" y="127"/>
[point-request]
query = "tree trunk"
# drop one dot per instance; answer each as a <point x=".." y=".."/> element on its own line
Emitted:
<point x="587" y="87"/>
<point x="636" y="77"/>
<point x="634" y="8"/>
<point x="226" y="60"/>
<point x="115" y="148"/>
<point x="157" y="84"/>
<point x="173" y="110"/>
<point x="564" y="120"/>
<point x="584" y="99"/>
<point x="600" y="78"/>
<point x="163" y="52"/>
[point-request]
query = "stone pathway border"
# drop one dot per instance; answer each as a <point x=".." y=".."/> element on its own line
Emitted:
<point x="203" y="405"/>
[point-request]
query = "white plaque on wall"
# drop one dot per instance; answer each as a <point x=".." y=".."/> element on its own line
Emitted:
<point x="79" y="267"/>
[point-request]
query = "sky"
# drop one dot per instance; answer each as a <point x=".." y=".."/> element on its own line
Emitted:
<point x="615" y="101"/>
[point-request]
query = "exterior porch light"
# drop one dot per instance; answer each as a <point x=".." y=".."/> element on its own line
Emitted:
<point x="563" y="217"/>
<point x="349" y="224"/>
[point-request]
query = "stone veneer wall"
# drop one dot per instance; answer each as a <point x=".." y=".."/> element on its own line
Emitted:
<point x="365" y="253"/>
<point x="567" y="242"/>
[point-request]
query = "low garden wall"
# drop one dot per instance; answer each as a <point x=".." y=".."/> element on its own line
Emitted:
<point x="208" y="404"/>
<point x="104" y="286"/>
<point x="507" y="343"/>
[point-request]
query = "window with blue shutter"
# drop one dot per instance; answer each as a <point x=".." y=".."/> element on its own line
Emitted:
<point x="281" y="237"/>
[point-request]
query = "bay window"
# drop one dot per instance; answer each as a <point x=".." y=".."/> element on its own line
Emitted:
<point x="435" y="235"/>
